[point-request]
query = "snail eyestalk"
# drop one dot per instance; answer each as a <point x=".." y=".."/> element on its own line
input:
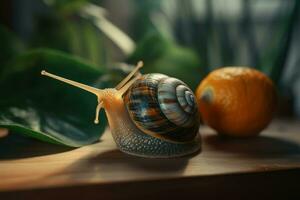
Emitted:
<point x="99" y="106"/>
<point x="135" y="71"/>
<point x="90" y="89"/>
<point x="128" y="84"/>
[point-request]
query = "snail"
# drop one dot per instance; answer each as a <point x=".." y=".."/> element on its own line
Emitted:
<point x="149" y="115"/>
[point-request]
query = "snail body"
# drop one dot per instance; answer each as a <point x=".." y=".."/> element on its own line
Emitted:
<point x="149" y="115"/>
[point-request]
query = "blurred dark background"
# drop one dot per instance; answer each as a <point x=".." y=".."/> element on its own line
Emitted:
<point x="183" y="38"/>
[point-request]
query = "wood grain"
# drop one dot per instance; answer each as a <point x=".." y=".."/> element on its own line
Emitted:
<point x="27" y="164"/>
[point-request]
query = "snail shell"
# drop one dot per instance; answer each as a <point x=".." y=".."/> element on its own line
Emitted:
<point x="163" y="107"/>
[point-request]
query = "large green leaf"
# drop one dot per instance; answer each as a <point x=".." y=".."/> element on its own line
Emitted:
<point x="44" y="108"/>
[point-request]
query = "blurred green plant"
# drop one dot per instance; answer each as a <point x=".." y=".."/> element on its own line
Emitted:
<point x="217" y="38"/>
<point x="164" y="56"/>
<point x="80" y="28"/>
<point x="97" y="15"/>
<point x="10" y="46"/>
<point x="60" y="27"/>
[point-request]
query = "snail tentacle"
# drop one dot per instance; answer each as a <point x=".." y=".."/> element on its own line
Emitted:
<point x="125" y="88"/>
<point x="90" y="89"/>
<point x="99" y="106"/>
<point x="134" y="72"/>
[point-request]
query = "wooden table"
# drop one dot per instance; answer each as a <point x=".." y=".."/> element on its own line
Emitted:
<point x="266" y="166"/>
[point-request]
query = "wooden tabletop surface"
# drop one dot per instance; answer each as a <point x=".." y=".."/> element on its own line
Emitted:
<point x="26" y="164"/>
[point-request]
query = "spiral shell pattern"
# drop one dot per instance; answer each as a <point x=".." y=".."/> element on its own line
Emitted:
<point x="163" y="107"/>
<point x="176" y="101"/>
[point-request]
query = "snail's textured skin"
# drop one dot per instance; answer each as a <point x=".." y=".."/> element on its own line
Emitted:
<point x="143" y="145"/>
<point x="163" y="107"/>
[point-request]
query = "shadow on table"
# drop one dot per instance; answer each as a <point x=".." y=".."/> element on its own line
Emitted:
<point x="116" y="157"/>
<point x="15" y="146"/>
<point x="261" y="146"/>
<point x="114" y="164"/>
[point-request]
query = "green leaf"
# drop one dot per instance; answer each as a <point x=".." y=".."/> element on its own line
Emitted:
<point x="46" y="109"/>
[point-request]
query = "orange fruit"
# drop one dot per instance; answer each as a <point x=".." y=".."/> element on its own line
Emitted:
<point x="236" y="101"/>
